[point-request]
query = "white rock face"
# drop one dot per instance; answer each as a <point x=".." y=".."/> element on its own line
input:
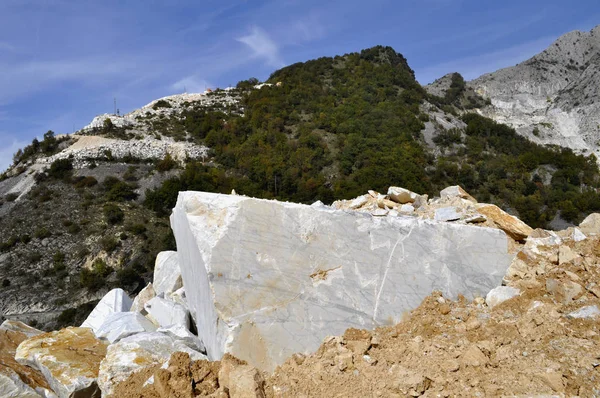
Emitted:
<point x="587" y="312"/>
<point x="167" y="275"/>
<point x="119" y="325"/>
<point x="114" y="301"/>
<point x="136" y="352"/>
<point x="447" y="214"/>
<point x="555" y="93"/>
<point x="166" y="313"/>
<point x="266" y="279"/>
<point x="11" y="386"/>
<point x="182" y="334"/>
<point x="500" y="294"/>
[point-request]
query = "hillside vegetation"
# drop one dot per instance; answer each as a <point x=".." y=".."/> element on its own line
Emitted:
<point x="332" y="129"/>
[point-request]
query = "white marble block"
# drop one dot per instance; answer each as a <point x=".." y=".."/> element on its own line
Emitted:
<point x="266" y="279"/>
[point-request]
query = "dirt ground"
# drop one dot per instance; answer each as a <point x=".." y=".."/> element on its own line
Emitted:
<point x="528" y="345"/>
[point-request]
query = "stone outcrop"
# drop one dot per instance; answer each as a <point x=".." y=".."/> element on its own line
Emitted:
<point x="553" y="97"/>
<point x="167" y="276"/>
<point x="69" y="360"/>
<point x="591" y="224"/>
<point x="114" y="301"/>
<point x="17" y="380"/>
<point x="266" y="279"/>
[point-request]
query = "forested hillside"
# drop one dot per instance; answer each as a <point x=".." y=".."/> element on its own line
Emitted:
<point x="336" y="127"/>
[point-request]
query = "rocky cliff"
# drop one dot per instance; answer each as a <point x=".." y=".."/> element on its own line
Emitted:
<point x="552" y="98"/>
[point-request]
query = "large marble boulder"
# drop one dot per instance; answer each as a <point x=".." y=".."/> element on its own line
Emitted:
<point x="17" y="380"/>
<point x="165" y="312"/>
<point x="69" y="360"/>
<point x="167" y="275"/>
<point x="136" y="352"/>
<point x="114" y="301"/>
<point x="119" y="325"/>
<point x="266" y="279"/>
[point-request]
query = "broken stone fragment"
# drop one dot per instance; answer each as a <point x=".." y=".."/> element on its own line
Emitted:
<point x="591" y="224"/>
<point x="136" y="352"/>
<point x="566" y="254"/>
<point x="114" y="301"/>
<point x="17" y="380"/>
<point x="123" y="324"/>
<point x="447" y="214"/>
<point x="564" y="291"/>
<point x="473" y="357"/>
<point x="406" y="208"/>
<point x="456" y="191"/>
<point x="402" y="195"/>
<point x="408" y="381"/>
<point x="165" y="312"/>
<point x="587" y="312"/>
<point x="246" y="381"/>
<point x="145" y="295"/>
<point x="181" y="333"/>
<point x="68" y="358"/>
<point x="500" y="294"/>
<point x="513" y="227"/>
<point x="167" y="275"/>
<point x="578" y="236"/>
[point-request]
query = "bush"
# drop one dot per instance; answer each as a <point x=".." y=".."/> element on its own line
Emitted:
<point x="136" y="229"/>
<point x="121" y="191"/>
<point x="60" y="169"/>
<point x="109" y="243"/>
<point x="113" y="214"/>
<point x="84" y="182"/>
<point x="42" y="233"/>
<point x="75" y="316"/>
<point x="5" y="283"/>
<point x="8" y="244"/>
<point x="161" y="104"/>
<point x="166" y="164"/>
<point x="11" y="197"/>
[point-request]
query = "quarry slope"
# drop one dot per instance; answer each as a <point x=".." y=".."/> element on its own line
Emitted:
<point x="552" y="98"/>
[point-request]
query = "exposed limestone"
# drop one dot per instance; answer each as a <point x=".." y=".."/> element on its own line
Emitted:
<point x="145" y="295"/>
<point x="17" y="380"/>
<point x="114" y="301"/>
<point x="180" y="333"/>
<point x="456" y="191"/>
<point x="587" y="312"/>
<point x="119" y="325"/>
<point x="69" y="360"/>
<point x="253" y="298"/>
<point x="500" y="294"/>
<point x="446" y="214"/>
<point x="167" y="276"/>
<point x="136" y="352"/>
<point x="165" y="312"/>
<point x="514" y="227"/>
<point x="591" y="224"/>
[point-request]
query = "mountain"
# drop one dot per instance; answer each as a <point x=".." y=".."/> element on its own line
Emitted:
<point x="553" y="97"/>
<point x="87" y="212"/>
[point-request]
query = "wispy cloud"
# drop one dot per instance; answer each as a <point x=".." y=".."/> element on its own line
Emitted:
<point x="190" y="84"/>
<point x="474" y="66"/>
<point x="262" y="46"/>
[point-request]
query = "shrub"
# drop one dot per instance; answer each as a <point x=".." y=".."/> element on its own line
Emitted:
<point x="8" y="244"/>
<point x="42" y="233"/>
<point x="166" y="164"/>
<point x="11" y="197"/>
<point x="25" y="238"/>
<point x="75" y="316"/>
<point x="73" y="229"/>
<point x="60" y="169"/>
<point x="85" y="182"/>
<point x="109" y="243"/>
<point x="113" y="214"/>
<point x="121" y="191"/>
<point x="136" y="229"/>
<point x="161" y="104"/>
<point x="5" y="283"/>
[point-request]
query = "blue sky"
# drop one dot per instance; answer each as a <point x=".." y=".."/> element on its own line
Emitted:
<point x="62" y="62"/>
